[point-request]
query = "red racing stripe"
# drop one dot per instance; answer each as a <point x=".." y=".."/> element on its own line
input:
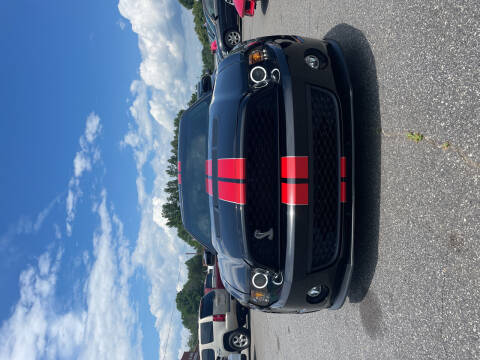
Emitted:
<point x="294" y="167"/>
<point x="231" y="168"/>
<point x="343" y="167"/>
<point x="295" y="194"/>
<point x="179" y="169"/>
<point x="208" y="167"/>
<point x="231" y="192"/>
<point x="209" y="186"/>
<point x="343" y="192"/>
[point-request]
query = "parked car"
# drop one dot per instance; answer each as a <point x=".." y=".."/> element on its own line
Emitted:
<point x="226" y="22"/>
<point x="277" y="141"/>
<point x="219" y="330"/>
<point x="244" y="7"/>
<point x="208" y="257"/>
<point x="212" y="38"/>
<point x="237" y="357"/>
<point x="213" y="280"/>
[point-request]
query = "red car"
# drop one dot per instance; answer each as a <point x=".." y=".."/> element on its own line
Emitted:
<point x="244" y="7"/>
<point x="213" y="280"/>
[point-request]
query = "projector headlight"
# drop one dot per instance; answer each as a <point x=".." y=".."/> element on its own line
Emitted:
<point x="258" y="74"/>
<point x="266" y="287"/>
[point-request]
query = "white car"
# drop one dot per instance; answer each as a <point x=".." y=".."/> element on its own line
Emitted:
<point x="220" y="333"/>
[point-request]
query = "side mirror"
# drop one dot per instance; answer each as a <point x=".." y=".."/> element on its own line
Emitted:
<point x="206" y="83"/>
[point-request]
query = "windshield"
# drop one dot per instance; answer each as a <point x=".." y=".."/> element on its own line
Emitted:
<point x="210" y="28"/>
<point x="192" y="151"/>
<point x="210" y="7"/>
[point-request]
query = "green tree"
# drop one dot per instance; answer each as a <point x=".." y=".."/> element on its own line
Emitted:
<point x="187" y="3"/>
<point x="188" y="299"/>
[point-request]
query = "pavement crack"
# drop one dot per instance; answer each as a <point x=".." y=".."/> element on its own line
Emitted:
<point x="445" y="145"/>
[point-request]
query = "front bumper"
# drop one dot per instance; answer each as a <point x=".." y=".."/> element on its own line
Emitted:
<point x="298" y="83"/>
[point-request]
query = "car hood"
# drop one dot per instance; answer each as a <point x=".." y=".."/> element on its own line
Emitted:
<point x="225" y="142"/>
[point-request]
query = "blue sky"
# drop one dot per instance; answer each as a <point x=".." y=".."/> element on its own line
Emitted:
<point x="89" y="90"/>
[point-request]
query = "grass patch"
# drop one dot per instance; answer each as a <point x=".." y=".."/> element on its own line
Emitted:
<point x="415" y="136"/>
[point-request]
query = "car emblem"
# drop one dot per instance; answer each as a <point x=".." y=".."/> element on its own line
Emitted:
<point x="261" y="235"/>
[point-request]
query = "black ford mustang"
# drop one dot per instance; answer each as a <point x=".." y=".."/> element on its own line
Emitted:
<point x="266" y="167"/>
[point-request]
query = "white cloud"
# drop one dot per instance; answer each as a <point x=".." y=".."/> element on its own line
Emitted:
<point x="110" y="320"/>
<point x="157" y="212"/>
<point x="81" y="163"/>
<point x="171" y="65"/>
<point x="93" y="127"/>
<point x="25" y="226"/>
<point x="58" y="233"/>
<point x="88" y="155"/>
<point x="106" y="329"/>
<point x="28" y="333"/>
<point x="121" y="24"/>
<point x="171" y="53"/>
<point x="158" y="250"/>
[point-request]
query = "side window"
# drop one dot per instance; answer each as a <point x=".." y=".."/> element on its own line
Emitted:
<point x="210" y="7"/>
<point x="208" y="354"/>
<point x="206" y="333"/>
<point x="208" y="281"/>
<point x="206" y="306"/>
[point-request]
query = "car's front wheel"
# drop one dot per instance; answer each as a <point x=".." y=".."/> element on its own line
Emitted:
<point x="239" y="339"/>
<point x="232" y="38"/>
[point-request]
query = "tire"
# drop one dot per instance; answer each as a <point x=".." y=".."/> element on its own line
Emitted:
<point x="232" y="38"/>
<point x="239" y="339"/>
<point x="230" y="2"/>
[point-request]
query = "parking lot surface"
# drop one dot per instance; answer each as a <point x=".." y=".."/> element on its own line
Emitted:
<point x="415" y="67"/>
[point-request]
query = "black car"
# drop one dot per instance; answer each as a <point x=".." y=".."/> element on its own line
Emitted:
<point x="226" y="21"/>
<point x="270" y="160"/>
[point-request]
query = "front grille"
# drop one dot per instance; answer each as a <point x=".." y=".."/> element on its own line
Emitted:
<point x="261" y="153"/>
<point x="325" y="131"/>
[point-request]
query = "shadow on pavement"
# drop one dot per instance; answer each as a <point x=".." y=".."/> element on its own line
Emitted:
<point x="363" y="74"/>
<point x="264" y="6"/>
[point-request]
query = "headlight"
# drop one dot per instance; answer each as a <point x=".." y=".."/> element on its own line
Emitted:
<point x="260" y="280"/>
<point x="262" y="67"/>
<point x="257" y="55"/>
<point x="258" y="74"/>
<point x="266" y="287"/>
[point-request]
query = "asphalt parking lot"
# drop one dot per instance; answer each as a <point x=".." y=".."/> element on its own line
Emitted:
<point x="415" y="66"/>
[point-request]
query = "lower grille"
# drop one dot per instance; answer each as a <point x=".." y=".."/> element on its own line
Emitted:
<point x="261" y="153"/>
<point x="325" y="128"/>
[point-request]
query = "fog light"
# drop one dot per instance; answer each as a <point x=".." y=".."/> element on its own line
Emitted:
<point x="275" y="74"/>
<point x="317" y="294"/>
<point x="315" y="291"/>
<point x="277" y="279"/>
<point x="312" y="61"/>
